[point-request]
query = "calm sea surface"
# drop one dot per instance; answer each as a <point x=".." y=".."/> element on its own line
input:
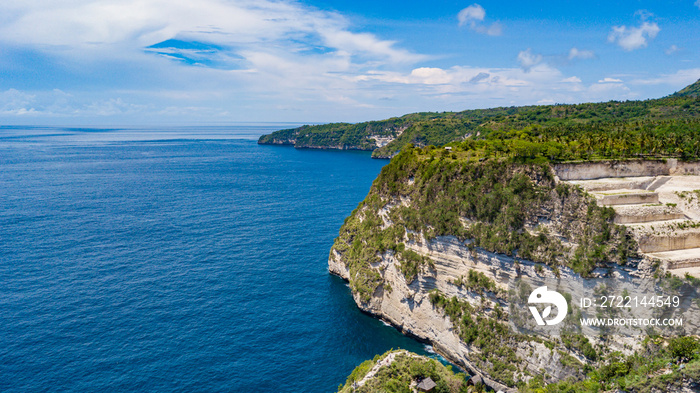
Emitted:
<point x="186" y="259"/>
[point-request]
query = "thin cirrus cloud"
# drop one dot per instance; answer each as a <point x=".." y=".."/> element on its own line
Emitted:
<point x="576" y="53"/>
<point x="673" y="49"/>
<point x="632" y="38"/>
<point x="473" y="17"/>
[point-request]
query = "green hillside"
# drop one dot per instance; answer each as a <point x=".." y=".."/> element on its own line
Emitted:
<point x="680" y="111"/>
<point x="689" y="91"/>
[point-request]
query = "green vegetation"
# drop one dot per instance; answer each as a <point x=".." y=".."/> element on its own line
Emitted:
<point x="590" y="142"/>
<point x="689" y="91"/>
<point x="340" y="135"/>
<point x="683" y="347"/>
<point x="406" y="369"/>
<point x="659" y="367"/>
<point x="610" y="130"/>
<point x="361" y="242"/>
<point x="690" y="196"/>
<point x="579" y="343"/>
<point x="477" y="282"/>
<point x="491" y="337"/>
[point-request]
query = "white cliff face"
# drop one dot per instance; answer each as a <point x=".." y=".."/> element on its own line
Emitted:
<point x="337" y="267"/>
<point x="407" y="305"/>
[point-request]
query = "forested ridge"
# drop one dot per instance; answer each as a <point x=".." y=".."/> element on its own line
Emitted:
<point x="663" y="127"/>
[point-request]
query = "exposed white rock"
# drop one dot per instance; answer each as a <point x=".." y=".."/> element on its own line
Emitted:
<point x="661" y="205"/>
<point x="408" y="308"/>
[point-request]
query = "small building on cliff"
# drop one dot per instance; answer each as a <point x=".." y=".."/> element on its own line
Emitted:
<point x="426" y="385"/>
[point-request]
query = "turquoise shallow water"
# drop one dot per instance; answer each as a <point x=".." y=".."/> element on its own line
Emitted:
<point x="176" y="260"/>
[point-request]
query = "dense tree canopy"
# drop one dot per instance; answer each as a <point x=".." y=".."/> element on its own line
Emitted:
<point x="662" y="127"/>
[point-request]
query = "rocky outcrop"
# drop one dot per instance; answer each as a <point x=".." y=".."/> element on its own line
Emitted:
<point x="627" y="168"/>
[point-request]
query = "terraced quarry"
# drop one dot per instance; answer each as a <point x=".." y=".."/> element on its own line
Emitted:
<point x="657" y="200"/>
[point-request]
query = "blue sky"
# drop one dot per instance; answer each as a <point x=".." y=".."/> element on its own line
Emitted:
<point x="132" y="62"/>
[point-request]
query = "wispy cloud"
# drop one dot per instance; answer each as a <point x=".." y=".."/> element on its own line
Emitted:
<point x="57" y="103"/>
<point x="672" y="49"/>
<point x="576" y="53"/>
<point x="632" y="38"/>
<point x="610" y="80"/>
<point x="680" y="78"/>
<point x="473" y="17"/>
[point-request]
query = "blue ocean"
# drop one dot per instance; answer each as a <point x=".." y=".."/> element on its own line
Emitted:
<point x="177" y="260"/>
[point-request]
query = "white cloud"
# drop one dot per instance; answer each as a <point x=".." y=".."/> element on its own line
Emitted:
<point x="697" y="3"/>
<point x="679" y="79"/>
<point x="466" y="79"/>
<point x="267" y="53"/>
<point x="473" y="16"/>
<point x="610" y="80"/>
<point x="527" y="59"/>
<point x="473" y="13"/>
<point x="369" y="44"/>
<point x="612" y="90"/>
<point x="672" y="49"/>
<point x="631" y="38"/>
<point x="90" y="26"/>
<point x="573" y="79"/>
<point x="576" y="53"/>
<point x="58" y="103"/>
<point x="495" y="86"/>
<point x="431" y="76"/>
<point x="15" y="102"/>
<point x="272" y="56"/>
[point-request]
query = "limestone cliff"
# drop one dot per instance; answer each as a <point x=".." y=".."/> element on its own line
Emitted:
<point x="434" y="245"/>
